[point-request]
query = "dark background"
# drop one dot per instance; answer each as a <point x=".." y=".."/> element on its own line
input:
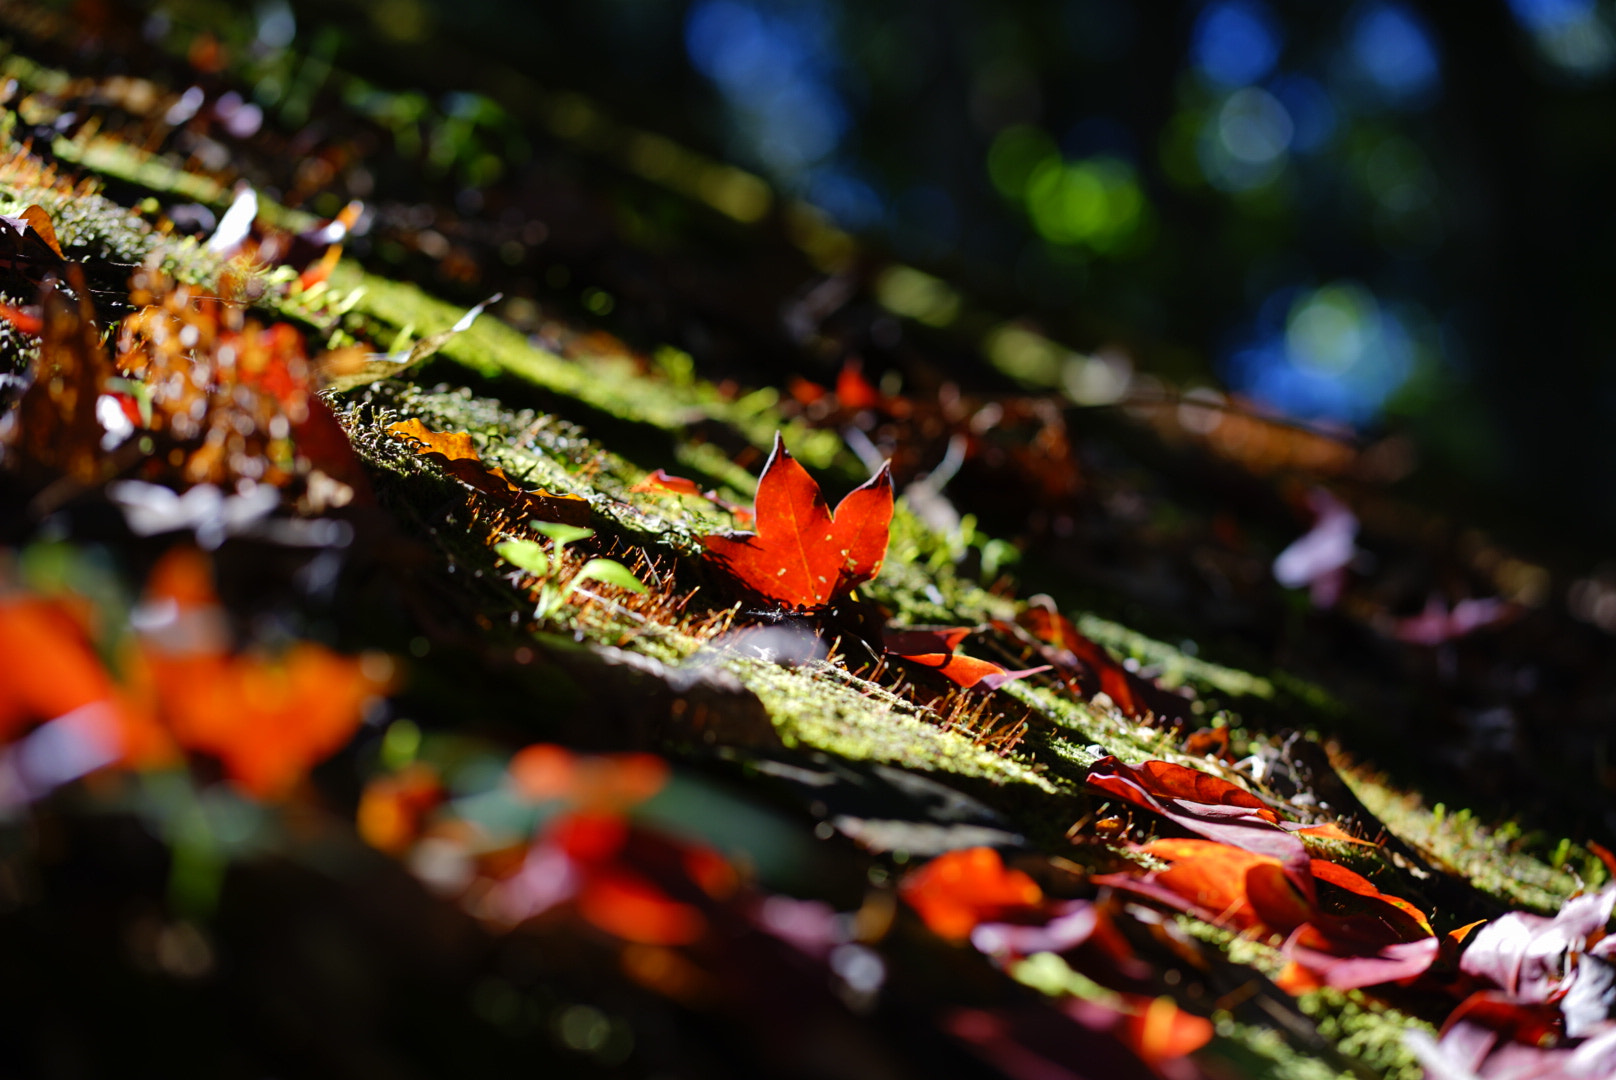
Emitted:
<point x="1386" y="216"/>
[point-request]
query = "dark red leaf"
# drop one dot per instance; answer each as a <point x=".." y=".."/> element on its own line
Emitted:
<point x="968" y="671"/>
<point x="915" y="642"/>
<point x="1096" y="671"/>
<point x="1242" y="826"/>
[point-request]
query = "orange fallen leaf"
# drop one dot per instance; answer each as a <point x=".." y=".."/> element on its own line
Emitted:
<point x="613" y="782"/>
<point x="1229" y="885"/>
<point x="802" y="554"/>
<point x="959" y="889"/>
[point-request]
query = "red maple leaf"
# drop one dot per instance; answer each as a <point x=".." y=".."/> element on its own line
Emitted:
<point x="802" y="554"/>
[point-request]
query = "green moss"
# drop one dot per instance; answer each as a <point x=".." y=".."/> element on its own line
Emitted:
<point x="1365" y="1030"/>
<point x="1458" y="839"/>
<point x="1258" y="1052"/>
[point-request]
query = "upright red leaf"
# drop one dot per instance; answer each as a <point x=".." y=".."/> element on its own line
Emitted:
<point x="802" y="554"/>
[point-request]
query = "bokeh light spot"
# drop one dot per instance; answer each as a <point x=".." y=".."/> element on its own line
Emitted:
<point x="1235" y="42"/>
<point x="1333" y="353"/>
<point x="1392" y="49"/>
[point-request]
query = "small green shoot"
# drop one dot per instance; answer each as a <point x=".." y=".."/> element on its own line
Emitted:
<point x="530" y="555"/>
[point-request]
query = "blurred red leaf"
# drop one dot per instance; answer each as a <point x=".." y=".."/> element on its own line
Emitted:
<point x="29" y="322"/>
<point x="853" y="390"/>
<point x="632" y="908"/>
<point x="802" y="554"/>
<point x="959" y="889"/>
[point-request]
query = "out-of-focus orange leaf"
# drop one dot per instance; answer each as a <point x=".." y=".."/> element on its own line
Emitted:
<point x="544" y="771"/>
<point x="392" y="807"/>
<point x="268" y="720"/>
<point x="667" y="972"/>
<point x="47" y="666"/>
<point x="1297" y="980"/>
<point x="804" y="392"/>
<point x="853" y="390"/>
<point x="612" y="782"/>
<point x="29" y="322"/>
<point x="711" y="872"/>
<point x="456" y="454"/>
<point x="1157" y="1030"/>
<point x="802" y="554"/>
<point x="632" y="908"/>
<point x="959" y="889"/>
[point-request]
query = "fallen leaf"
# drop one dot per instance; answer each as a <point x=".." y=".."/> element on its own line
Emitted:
<point x="1096" y="671"/>
<point x="455" y="453"/>
<point x="803" y="555"/>
<point x="968" y="671"/>
<point x="663" y="481"/>
<point x="56" y="425"/>
<point x="392" y="807"/>
<point x="1252" y="828"/>
<point x="959" y="889"/>
<point x="1158" y="1030"/>
<point x="1229" y="886"/>
<point x="1525" y="954"/>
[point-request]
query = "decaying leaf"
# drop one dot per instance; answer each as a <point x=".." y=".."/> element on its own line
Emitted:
<point x="56" y="426"/>
<point x="456" y="454"/>
<point x="1094" y="671"/>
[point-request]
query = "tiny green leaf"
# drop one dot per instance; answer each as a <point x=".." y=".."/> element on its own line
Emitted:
<point x="562" y="533"/>
<point x="612" y="573"/>
<point x="527" y="554"/>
